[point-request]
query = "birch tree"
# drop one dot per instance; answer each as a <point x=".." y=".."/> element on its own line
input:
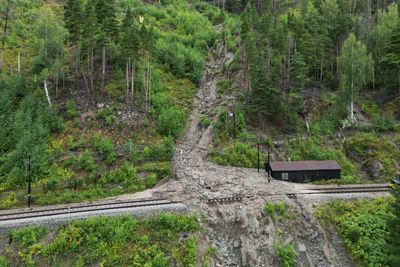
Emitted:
<point x="49" y="36"/>
<point x="354" y="71"/>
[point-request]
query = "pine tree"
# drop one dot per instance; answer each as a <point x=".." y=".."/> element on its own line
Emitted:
<point x="73" y="19"/>
<point x="392" y="58"/>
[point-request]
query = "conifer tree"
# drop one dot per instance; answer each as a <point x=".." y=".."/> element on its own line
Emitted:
<point x="73" y="19"/>
<point x="392" y="58"/>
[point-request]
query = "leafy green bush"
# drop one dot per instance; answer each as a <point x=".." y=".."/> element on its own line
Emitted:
<point x="71" y="109"/>
<point x="85" y="161"/>
<point x="162" y="169"/>
<point x="239" y="155"/>
<point x="159" y="152"/>
<point x="3" y="262"/>
<point x="171" y="121"/>
<point x="286" y="253"/>
<point x="151" y="180"/>
<point x="204" y="121"/>
<point x="366" y="146"/>
<point x="127" y="174"/>
<point x="105" y="147"/>
<point x="383" y="124"/>
<point x="107" y="115"/>
<point x="275" y="208"/>
<point x="123" y="241"/>
<point x="28" y="236"/>
<point x="363" y="226"/>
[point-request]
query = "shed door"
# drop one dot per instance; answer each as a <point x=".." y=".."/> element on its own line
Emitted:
<point x="285" y="176"/>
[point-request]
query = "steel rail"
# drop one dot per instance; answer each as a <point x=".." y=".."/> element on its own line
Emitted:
<point x="83" y="209"/>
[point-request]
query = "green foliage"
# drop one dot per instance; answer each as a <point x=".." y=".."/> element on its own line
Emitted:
<point x="394" y="234"/>
<point x="274" y="209"/>
<point x="204" y="121"/>
<point x="3" y="262"/>
<point x="105" y="147"/>
<point x="151" y="180"/>
<point x="71" y="109"/>
<point x="107" y="115"/>
<point x="127" y="174"/>
<point x="26" y="130"/>
<point x="383" y="123"/>
<point x="355" y="66"/>
<point x="28" y="236"/>
<point x="171" y="122"/>
<point x="286" y="254"/>
<point x="365" y="146"/>
<point x="85" y="161"/>
<point x="117" y="240"/>
<point x="363" y="226"/>
<point x="239" y="155"/>
<point x="162" y="169"/>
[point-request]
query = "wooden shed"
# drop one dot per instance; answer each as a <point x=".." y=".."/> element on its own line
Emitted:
<point x="301" y="171"/>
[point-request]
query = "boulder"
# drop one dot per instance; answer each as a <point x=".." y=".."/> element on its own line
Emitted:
<point x="373" y="169"/>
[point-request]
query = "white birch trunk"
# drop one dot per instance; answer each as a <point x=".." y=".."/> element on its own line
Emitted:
<point x="19" y="61"/>
<point x="47" y="92"/>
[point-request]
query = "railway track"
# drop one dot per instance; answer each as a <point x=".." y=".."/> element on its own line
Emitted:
<point x="82" y="208"/>
<point x="343" y="190"/>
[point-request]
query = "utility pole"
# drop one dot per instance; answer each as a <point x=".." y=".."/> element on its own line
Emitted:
<point x="29" y="180"/>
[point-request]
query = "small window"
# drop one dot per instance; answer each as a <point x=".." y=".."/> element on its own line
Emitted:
<point x="285" y="176"/>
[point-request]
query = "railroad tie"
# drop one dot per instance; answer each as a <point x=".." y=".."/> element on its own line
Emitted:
<point x="224" y="199"/>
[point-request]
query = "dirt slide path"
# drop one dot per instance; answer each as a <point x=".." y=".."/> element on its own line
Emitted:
<point x="237" y="229"/>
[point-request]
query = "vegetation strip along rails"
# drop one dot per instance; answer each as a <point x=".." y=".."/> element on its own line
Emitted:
<point x="83" y="209"/>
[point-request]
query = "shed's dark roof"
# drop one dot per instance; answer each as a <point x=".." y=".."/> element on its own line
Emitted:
<point x="304" y="165"/>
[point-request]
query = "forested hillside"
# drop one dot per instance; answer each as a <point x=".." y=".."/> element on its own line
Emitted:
<point x="96" y="92"/>
<point x="102" y="98"/>
<point x="326" y="72"/>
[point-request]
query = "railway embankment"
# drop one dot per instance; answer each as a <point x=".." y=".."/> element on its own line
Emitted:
<point x="62" y="214"/>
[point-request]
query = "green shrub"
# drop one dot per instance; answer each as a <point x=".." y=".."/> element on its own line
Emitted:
<point x="71" y="109"/>
<point x="204" y="121"/>
<point x="275" y="208"/>
<point x="287" y="255"/>
<point x="28" y="236"/>
<point x="363" y="226"/>
<point x="366" y="146"/>
<point x="383" y="124"/>
<point x="85" y="161"/>
<point x="106" y="115"/>
<point x="162" y="169"/>
<point x="171" y="122"/>
<point x="223" y="86"/>
<point x="3" y="262"/>
<point x="151" y="180"/>
<point x="160" y="152"/>
<point x="105" y="147"/>
<point x="239" y="155"/>
<point x="127" y="174"/>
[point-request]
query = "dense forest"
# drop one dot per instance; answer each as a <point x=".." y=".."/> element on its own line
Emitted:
<point x="78" y="76"/>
